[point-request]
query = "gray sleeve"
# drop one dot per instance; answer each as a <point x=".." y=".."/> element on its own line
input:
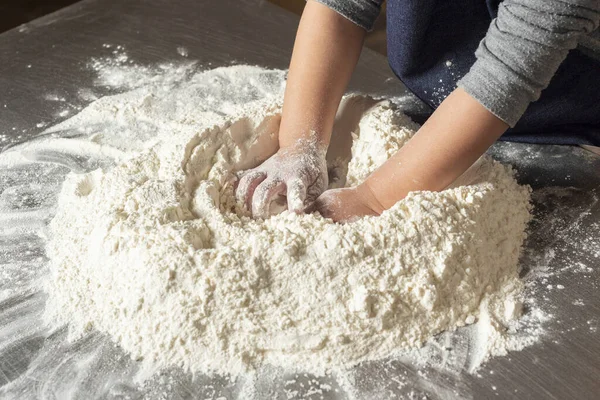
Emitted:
<point x="522" y="50"/>
<point x="362" y="12"/>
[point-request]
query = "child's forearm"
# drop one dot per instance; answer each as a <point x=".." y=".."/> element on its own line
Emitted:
<point x="325" y="53"/>
<point x="455" y="136"/>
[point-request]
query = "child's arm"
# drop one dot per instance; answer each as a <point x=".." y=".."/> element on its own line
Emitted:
<point x="518" y="57"/>
<point x="325" y="53"/>
<point x="455" y="136"/>
<point x="522" y="50"/>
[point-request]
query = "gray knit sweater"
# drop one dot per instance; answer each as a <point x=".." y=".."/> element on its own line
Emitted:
<point x="521" y="52"/>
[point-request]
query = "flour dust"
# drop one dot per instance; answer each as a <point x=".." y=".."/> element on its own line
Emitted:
<point x="148" y="248"/>
<point x="155" y="253"/>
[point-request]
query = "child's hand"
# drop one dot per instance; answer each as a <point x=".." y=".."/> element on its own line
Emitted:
<point x="347" y="204"/>
<point x="298" y="172"/>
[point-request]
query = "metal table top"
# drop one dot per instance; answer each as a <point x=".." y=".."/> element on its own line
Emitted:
<point x="49" y="56"/>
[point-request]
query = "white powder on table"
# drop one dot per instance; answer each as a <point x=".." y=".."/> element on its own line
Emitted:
<point x="154" y="253"/>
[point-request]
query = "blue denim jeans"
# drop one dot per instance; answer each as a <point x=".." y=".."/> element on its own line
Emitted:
<point x="432" y="43"/>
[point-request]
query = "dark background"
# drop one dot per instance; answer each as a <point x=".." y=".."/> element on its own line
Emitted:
<point x="16" y="12"/>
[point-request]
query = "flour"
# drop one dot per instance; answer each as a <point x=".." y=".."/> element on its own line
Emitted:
<point x="155" y="253"/>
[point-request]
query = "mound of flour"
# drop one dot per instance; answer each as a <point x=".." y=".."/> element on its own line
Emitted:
<point x="154" y="252"/>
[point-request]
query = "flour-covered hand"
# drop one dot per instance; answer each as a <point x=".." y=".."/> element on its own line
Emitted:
<point x="298" y="172"/>
<point x="347" y="204"/>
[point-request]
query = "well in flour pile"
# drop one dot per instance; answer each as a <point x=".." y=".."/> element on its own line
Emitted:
<point x="154" y="252"/>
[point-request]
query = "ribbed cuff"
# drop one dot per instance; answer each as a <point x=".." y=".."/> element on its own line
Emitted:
<point x="361" y="12"/>
<point x="498" y="93"/>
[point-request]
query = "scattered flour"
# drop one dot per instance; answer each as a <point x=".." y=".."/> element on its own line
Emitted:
<point x="155" y="253"/>
<point x="120" y="71"/>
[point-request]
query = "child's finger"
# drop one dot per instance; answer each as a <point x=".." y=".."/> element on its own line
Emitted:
<point x="264" y="194"/>
<point x="247" y="185"/>
<point x="296" y="195"/>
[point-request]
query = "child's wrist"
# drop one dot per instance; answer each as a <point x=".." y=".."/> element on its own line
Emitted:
<point x="309" y="141"/>
<point x="369" y="197"/>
